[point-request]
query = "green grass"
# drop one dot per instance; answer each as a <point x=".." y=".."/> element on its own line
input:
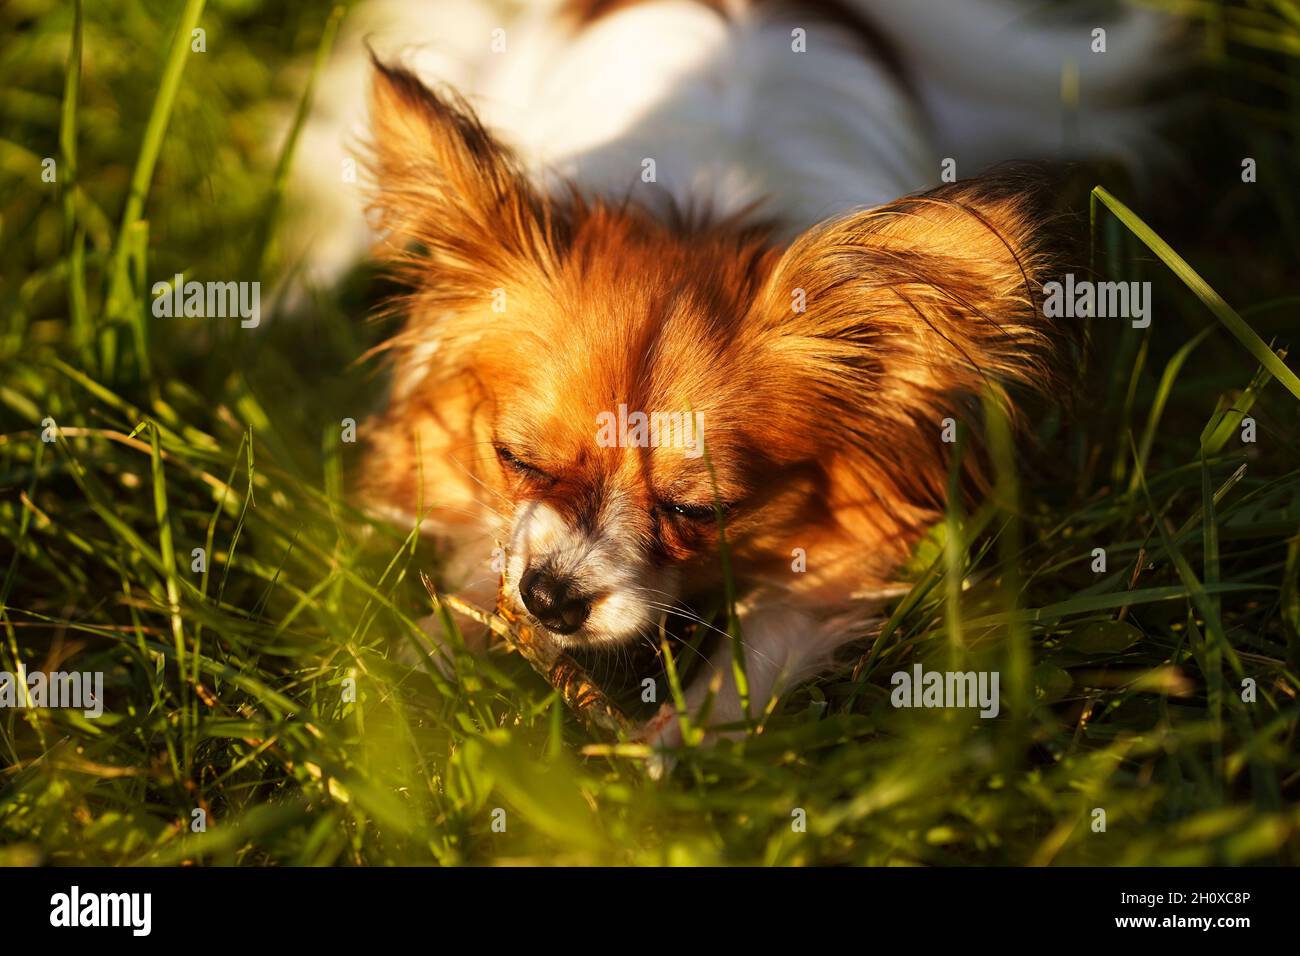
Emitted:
<point x="225" y="686"/>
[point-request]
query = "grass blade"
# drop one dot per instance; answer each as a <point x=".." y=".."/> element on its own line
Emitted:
<point x="122" y="304"/>
<point x="1234" y="323"/>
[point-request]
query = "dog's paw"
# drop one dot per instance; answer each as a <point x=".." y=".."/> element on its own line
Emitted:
<point x="663" y="730"/>
<point x="662" y="733"/>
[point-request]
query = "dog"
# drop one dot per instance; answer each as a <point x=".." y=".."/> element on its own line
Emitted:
<point x="671" y="332"/>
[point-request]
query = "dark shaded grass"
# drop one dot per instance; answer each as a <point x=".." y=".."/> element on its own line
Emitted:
<point x="225" y="687"/>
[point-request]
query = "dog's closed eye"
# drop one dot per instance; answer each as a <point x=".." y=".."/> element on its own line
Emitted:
<point x="521" y="467"/>
<point x="692" y="512"/>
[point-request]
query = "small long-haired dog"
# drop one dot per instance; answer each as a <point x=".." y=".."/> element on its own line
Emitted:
<point x="678" y="221"/>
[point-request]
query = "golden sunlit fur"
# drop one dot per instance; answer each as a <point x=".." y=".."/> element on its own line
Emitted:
<point x="823" y="369"/>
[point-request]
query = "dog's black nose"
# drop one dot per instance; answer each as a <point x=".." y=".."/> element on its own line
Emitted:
<point x="552" y="600"/>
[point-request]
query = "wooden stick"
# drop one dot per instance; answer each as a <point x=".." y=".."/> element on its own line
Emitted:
<point x="561" y="671"/>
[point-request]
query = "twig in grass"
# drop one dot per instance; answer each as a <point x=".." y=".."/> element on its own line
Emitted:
<point x="561" y="671"/>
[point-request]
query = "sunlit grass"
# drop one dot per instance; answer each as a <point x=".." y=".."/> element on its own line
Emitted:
<point x="228" y="687"/>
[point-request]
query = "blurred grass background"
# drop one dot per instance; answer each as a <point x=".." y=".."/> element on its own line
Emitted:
<point x="225" y="688"/>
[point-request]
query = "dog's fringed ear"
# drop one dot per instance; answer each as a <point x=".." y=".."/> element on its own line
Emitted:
<point x="459" y="219"/>
<point x="452" y="201"/>
<point x="902" y="316"/>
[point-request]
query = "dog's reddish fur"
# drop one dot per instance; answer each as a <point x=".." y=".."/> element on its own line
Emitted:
<point x="823" y="425"/>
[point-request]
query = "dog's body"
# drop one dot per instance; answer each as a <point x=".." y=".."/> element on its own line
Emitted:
<point x="684" y="208"/>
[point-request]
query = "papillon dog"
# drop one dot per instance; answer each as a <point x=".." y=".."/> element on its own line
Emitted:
<point x="669" y="329"/>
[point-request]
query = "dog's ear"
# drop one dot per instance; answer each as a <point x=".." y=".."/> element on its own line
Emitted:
<point x="901" y="316"/>
<point x="459" y="219"/>
<point x="452" y="201"/>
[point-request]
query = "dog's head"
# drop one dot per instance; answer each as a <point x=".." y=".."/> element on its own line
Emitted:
<point x="621" y="391"/>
